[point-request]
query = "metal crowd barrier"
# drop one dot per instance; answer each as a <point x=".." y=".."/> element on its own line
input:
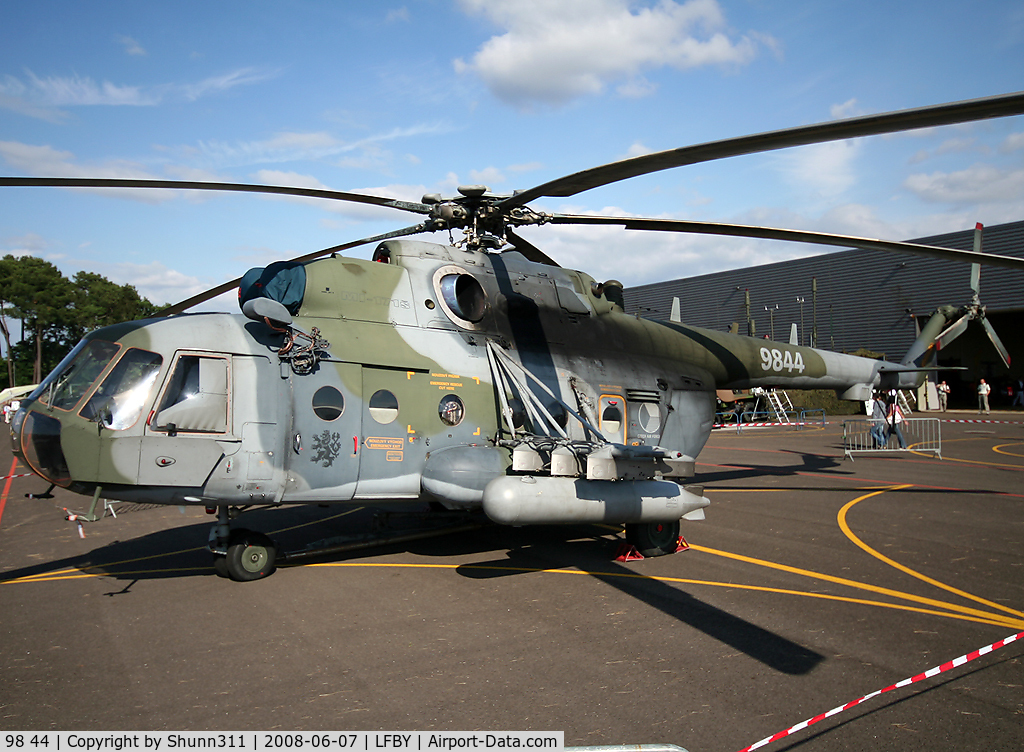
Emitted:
<point x="808" y="417"/>
<point x="875" y="436"/>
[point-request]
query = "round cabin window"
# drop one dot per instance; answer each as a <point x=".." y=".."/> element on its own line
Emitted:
<point x="383" y="406"/>
<point x="328" y="403"/>
<point x="611" y="420"/>
<point x="451" y="409"/>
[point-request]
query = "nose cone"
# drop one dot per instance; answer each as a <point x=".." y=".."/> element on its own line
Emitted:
<point x="16" y="422"/>
<point x="36" y="440"/>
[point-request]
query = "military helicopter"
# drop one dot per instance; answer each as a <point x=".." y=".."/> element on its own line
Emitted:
<point x="478" y="374"/>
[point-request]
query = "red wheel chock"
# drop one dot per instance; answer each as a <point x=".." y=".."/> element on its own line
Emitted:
<point x="628" y="552"/>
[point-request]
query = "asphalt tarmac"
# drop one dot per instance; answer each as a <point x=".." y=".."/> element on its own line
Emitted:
<point x="814" y="581"/>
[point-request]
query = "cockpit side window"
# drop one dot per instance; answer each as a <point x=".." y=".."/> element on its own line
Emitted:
<point x="73" y="378"/>
<point x="195" y="399"/>
<point x="125" y="392"/>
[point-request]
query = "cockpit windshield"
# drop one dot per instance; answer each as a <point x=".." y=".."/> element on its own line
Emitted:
<point x="124" y="393"/>
<point x="72" y="378"/>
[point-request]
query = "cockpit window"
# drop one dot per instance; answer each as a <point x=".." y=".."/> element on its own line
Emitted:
<point x="73" y="377"/>
<point x="125" y="392"/>
<point x="196" y="397"/>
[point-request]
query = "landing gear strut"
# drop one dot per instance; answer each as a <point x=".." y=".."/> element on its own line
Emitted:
<point x="240" y="554"/>
<point x="654" y="538"/>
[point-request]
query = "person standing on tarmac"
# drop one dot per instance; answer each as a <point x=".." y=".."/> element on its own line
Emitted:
<point x="894" y="417"/>
<point x="983" y="391"/>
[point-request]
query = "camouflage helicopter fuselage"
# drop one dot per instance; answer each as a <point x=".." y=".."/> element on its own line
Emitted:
<point x="386" y="384"/>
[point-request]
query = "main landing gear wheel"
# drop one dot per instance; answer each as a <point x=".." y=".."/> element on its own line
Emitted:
<point x="654" y="538"/>
<point x="251" y="556"/>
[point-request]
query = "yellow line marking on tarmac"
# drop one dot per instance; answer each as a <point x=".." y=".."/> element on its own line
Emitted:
<point x="938" y="608"/>
<point x="947" y="458"/>
<point x="966" y="611"/>
<point x="982" y="618"/>
<point x="998" y="449"/>
<point x="905" y="569"/>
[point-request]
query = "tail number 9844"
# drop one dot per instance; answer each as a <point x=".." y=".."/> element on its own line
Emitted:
<point x="778" y="360"/>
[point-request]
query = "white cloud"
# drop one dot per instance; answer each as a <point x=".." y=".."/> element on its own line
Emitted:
<point x="847" y="109"/>
<point x="1013" y="142"/>
<point x="294" y="147"/>
<point x="40" y="97"/>
<point x="553" y="52"/>
<point x="823" y="170"/>
<point x="949" y="146"/>
<point x="489" y="176"/>
<point x="72" y="91"/>
<point x="397" y="14"/>
<point x="29" y="244"/>
<point x="45" y="160"/>
<point x="355" y="211"/>
<point x="215" y="84"/>
<point x="980" y="183"/>
<point x="131" y="46"/>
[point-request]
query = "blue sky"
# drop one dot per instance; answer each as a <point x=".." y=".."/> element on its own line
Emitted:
<point x="407" y="98"/>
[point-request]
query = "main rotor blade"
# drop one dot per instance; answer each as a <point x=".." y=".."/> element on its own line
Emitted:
<point x="798" y="236"/>
<point x="868" y="125"/>
<point x="213" y="292"/>
<point x="528" y="249"/>
<point x="990" y="330"/>
<point x="189" y="185"/>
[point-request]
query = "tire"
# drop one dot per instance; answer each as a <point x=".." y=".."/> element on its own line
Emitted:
<point x="654" y="538"/>
<point x="251" y="556"/>
<point x="220" y="566"/>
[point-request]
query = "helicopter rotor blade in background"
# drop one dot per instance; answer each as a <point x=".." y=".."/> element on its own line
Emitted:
<point x="188" y="185"/>
<point x="213" y="292"/>
<point x="957" y="328"/>
<point x="976" y="269"/>
<point x="1000" y="347"/>
<point x="799" y="236"/>
<point x="528" y="249"/>
<point x="868" y="125"/>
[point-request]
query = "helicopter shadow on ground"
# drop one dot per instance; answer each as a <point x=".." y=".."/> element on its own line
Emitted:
<point x="132" y="558"/>
<point x="809" y="463"/>
<point x="176" y="552"/>
<point x="550" y="549"/>
<point x="180" y="552"/>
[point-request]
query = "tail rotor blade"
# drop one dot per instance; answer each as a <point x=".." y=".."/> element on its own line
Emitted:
<point x="991" y="332"/>
<point x="976" y="268"/>
<point x="954" y="331"/>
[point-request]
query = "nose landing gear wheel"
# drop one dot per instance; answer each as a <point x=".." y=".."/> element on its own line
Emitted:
<point x="251" y="556"/>
<point x="220" y="566"/>
<point x="654" y="538"/>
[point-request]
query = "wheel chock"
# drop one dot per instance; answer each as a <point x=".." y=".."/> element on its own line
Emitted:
<point x="628" y="552"/>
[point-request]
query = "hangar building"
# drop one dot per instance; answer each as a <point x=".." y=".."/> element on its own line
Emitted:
<point x="866" y="300"/>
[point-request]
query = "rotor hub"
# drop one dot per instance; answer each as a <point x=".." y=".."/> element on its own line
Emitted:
<point x="480" y="215"/>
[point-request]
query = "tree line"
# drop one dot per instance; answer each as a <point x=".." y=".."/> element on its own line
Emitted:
<point x="55" y="312"/>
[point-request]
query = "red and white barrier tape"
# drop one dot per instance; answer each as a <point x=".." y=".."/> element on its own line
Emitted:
<point x="20" y="475"/>
<point x="906" y="682"/>
<point x="761" y="425"/>
<point x="981" y="420"/>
